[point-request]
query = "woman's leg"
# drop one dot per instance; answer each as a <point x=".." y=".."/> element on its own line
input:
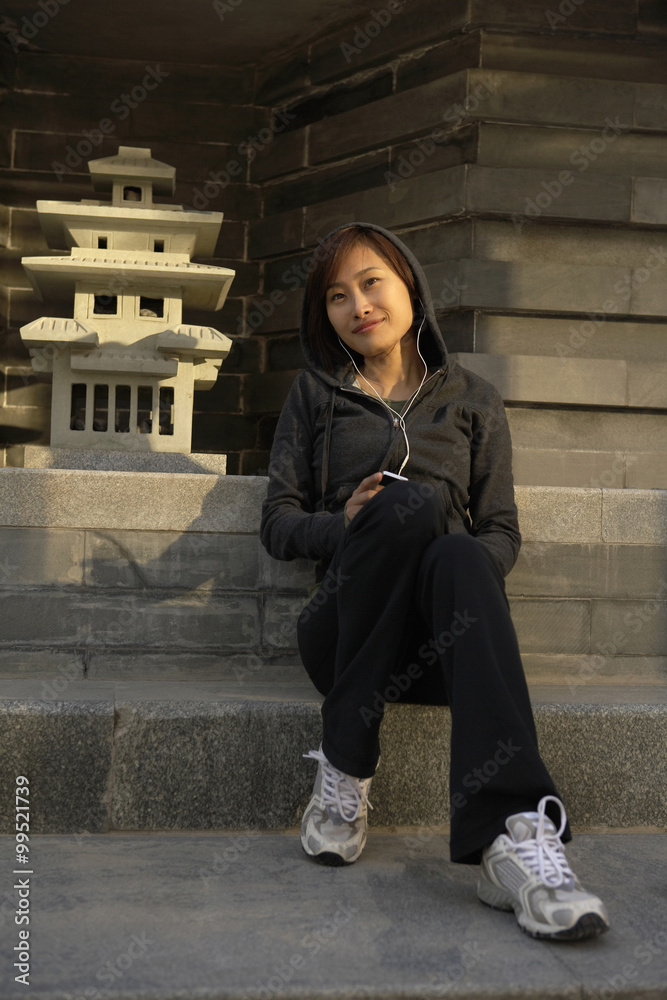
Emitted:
<point x="352" y="641"/>
<point x="496" y="768"/>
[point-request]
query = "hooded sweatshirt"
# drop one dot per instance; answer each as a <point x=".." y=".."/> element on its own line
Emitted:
<point x="331" y="435"/>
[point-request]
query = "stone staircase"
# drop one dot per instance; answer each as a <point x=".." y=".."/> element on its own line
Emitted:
<point x="150" y="690"/>
<point x="147" y="636"/>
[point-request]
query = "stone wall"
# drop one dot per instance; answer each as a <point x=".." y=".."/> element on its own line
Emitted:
<point x="477" y="131"/>
<point x="453" y="124"/>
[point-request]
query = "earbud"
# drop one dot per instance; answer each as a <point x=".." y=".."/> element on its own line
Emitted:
<point x="399" y="418"/>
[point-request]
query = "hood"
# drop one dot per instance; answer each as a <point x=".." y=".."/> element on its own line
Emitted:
<point x="431" y="341"/>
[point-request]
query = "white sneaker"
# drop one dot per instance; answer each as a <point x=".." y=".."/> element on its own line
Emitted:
<point x="334" y="825"/>
<point x="527" y="872"/>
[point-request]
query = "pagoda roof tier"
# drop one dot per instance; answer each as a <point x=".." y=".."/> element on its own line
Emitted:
<point x="58" y="218"/>
<point x="124" y="362"/>
<point x="55" y="329"/>
<point x="203" y="286"/>
<point x="132" y="162"/>
<point x="189" y="341"/>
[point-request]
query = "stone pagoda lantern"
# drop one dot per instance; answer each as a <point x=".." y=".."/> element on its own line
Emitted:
<point x="125" y="367"/>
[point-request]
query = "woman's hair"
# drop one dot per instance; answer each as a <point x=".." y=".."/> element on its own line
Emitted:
<point x="327" y="259"/>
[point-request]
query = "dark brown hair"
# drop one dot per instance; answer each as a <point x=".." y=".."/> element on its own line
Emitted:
<point x="326" y="260"/>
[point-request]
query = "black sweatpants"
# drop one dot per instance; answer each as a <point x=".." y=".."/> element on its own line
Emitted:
<point x="409" y="612"/>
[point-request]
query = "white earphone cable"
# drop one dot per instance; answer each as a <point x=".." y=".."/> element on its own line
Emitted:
<point x="399" y="416"/>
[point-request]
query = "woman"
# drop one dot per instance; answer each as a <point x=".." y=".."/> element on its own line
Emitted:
<point x="411" y="603"/>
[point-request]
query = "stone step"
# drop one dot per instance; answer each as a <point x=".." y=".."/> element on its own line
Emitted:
<point x="40" y="457"/>
<point x="509" y="240"/>
<point x="523" y="195"/>
<point x="536" y="99"/>
<point x="330" y="58"/>
<point x="571" y="380"/>
<point x="646" y="470"/>
<point x="228" y="916"/>
<point x="402" y="922"/>
<point x="575" y="429"/>
<point x="106" y="572"/>
<point x="621" y="151"/>
<point x="196" y="756"/>
<point x="111" y="635"/>
<point x="477" y="331"/>
<point x="551" y="288"/>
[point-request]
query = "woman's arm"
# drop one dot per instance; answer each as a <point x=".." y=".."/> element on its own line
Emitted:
<point x="492" y="508"/>
<point x="291" y="526"/>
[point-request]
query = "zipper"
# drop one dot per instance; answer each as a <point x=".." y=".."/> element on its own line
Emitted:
<point x="355" y="390"/>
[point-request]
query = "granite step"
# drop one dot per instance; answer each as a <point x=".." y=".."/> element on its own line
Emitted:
<point x="597" y="336"/>
<point x="131" y="756"/>
<point x="643" y="470"/>
<point x="243" y="914"/>
<point x="124" y="575"/>
<point x="572" y="381"/>
<point x="525" y="196"/>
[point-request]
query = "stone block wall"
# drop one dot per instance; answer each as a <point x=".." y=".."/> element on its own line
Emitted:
<point x="518" y="148"/>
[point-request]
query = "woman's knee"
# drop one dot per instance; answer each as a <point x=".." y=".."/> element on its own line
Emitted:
<point x="459" y="550"/>
<point x="406" y="509"/>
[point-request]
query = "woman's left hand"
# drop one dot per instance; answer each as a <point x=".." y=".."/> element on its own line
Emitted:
<point x="364" y="492"/>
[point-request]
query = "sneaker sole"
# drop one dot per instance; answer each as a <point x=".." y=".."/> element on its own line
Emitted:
<point x="328" y="858"/>
<point x="590" y="925"/>
<point x="587" y="926"/>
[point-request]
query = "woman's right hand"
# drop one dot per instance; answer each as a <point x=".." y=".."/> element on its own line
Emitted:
<point x="364" y="492"/>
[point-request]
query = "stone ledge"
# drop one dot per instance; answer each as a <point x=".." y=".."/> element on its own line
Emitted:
<point x="618" y="469"/>
<point x="149" y="501"/>
<point x="563" y="381"/>
<point x="39" y="457"/>
<point x="166" y="763"/>
<point x="155" y="501"/>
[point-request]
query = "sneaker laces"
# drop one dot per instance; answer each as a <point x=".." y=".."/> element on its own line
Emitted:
<point x="544" y="853"/>
<point x="346" y="793"/>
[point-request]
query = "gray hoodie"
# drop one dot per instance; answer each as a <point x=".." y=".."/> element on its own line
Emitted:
<point x="331" y="434"/>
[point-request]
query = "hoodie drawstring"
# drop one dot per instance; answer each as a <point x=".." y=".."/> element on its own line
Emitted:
<point x="326" y="447"/>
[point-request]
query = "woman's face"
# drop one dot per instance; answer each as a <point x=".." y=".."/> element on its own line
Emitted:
<point x="368" y="305"/>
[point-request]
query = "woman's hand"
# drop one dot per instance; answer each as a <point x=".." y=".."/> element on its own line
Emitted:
<point x="364" y="492"/>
